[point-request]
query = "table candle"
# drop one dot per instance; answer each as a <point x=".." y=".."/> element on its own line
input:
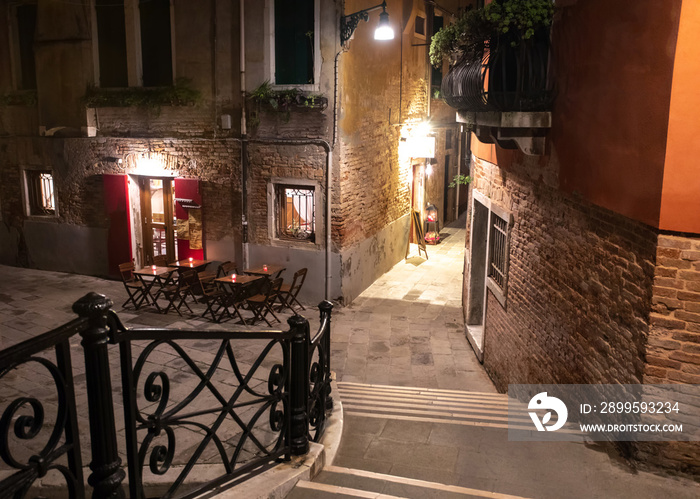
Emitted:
<point x="153" y="267"/>
<point x="233" y="277"/>
<point x="191" y="259"/>
<point x="264" y="268"/>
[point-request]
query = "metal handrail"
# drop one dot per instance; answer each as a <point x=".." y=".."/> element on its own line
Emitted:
<point x="291" y="407"/>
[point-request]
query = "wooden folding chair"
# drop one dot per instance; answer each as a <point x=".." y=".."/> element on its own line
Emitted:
<point x="261" y="304"/>
<point x="134" y="287"/>
<point x="235" y="299"/>
<point x="288" y="292"/>
<point x="160" y="261"/>
<point x="212" y="295"/>
<point x="179" y="291"/>
<point x="227" y="268"/>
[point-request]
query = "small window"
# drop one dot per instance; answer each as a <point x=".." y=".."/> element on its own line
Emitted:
<point x="40" y="196"/>
<point x="111" y="42"/>
<point x="498" y="252"/>
<point x="295" y="212"/>
<point x="295" y="41"/>
<point x="419" y="26"/>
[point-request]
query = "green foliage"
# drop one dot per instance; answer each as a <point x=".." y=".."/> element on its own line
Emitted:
<point x="27" y="98"/>
<point x="284" y="100"/>
<point x="460" y="180"/>
<point x="466" y="36"/>
<point x="180" y="94"/>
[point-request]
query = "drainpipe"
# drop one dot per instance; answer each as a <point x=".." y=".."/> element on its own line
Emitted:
<point x="459" y="168"/>
<point x="329" y="161"/>
<point x="244" y="141"/>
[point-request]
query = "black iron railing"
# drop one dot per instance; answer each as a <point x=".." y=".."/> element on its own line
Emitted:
<point x="243" y="400"/>
<point x="502" y="77"/>
<point x="27" y="416"/>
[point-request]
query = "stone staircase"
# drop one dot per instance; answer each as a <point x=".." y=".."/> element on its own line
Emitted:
<point x="416" y="405"/>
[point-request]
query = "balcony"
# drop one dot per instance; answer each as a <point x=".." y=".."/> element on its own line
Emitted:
<point x="504" y="92"/>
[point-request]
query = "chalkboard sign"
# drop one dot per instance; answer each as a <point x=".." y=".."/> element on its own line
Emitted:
<point x="418" y="231"/>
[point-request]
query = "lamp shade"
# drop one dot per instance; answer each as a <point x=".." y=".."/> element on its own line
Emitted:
<point x="384" y="31"/>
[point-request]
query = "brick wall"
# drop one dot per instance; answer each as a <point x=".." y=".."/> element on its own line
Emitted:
<point x="579" y="288"/>
<point x="674" y="339"/>
<point x="79" y="163"/>
<point x="593" y="297"/>
<point x="301" y="161"/>
<point x="673" y="351"/>
<point x="165" y="121"/>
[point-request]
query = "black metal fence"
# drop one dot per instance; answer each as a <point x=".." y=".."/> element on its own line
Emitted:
<point x="193" y="419"/>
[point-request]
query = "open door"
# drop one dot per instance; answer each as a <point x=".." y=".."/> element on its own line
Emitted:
<point x="158" y="221"/>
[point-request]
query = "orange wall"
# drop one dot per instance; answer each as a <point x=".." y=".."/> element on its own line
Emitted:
<point x="612" y="64"/>
<point x="680" y="199"/>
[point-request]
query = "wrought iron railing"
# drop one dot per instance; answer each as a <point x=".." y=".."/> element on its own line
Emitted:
<point x="502" y="77"/>
<point x="226" y="406"/>
<point x="27" y="417"/>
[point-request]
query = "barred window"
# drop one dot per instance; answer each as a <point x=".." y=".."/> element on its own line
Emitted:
<point x="498" y="251"/>
<point x="41" y="199"/>
<point x="295" y="212"/>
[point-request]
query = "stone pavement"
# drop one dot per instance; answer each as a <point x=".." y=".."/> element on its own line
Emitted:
<point x="407" y="327"/>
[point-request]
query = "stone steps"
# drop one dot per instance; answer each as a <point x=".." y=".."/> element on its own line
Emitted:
<point x="338" y="482"/>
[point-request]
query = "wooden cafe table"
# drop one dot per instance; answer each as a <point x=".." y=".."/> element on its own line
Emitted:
<point x="269" y="271"/>
<point x="234" y="290"/>
<point x="159" y="275"/>
<point x="185" y="263"/>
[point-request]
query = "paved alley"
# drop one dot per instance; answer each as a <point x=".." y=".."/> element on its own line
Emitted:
<point x="407" y="328"/>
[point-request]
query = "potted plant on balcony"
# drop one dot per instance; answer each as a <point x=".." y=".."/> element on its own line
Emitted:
<point x="510" y="38"/>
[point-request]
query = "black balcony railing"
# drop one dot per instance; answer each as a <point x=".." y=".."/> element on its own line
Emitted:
<point x="502" y="76"/>
<point x="249" y="399"/>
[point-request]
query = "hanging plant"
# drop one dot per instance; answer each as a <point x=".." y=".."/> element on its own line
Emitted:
<point x="465" y="38"/>
<point x="460" y="179"/>
<point x="284" y="100"/>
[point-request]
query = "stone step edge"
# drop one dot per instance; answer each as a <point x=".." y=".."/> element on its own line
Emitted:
<point x="344" y="491"/>
<point x="414" y="482"/>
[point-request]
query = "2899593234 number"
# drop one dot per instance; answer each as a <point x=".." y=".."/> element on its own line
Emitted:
<point x="638" y="407"/>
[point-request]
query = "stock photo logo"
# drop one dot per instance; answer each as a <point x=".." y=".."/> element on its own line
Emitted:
<point x="542" y="401"/>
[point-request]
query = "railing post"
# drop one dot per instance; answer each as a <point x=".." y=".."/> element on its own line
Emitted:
<point x="299" y="385"/>
<point x="326" y="308"/>
<point x="107" y="475"/>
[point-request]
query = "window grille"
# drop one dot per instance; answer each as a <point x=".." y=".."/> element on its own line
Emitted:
<point x="295" y="212"/>
<point x="498" y="251"/>
<point x="40" y="192"/>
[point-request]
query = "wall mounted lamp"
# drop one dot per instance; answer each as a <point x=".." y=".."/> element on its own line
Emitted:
<point x="348" y="24"/>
